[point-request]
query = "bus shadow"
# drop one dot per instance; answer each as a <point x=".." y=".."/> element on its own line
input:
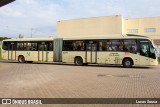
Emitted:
<point x="119" y="66"/>
<point x="70" y="64"/>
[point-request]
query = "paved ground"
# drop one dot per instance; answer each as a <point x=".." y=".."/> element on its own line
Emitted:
<point x="69" y="81"/>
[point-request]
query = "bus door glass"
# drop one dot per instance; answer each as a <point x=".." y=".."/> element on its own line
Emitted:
<point x="42" y="51"/>
<point x="144" y="51"/>
<point x="11" y="51"/>
<point x="91" y="52"/>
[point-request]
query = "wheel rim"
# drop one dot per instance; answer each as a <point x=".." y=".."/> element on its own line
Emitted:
<point x="20" y="59"/>
<point x="127" y="63"/>
<point x="78" y="62"/>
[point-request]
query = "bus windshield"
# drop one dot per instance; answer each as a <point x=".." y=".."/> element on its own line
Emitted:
<point x="147" y="49"/>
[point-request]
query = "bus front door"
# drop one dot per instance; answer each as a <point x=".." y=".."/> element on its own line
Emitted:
<point x="42" y="52"/>
<point x="91" y="53"/>
<point x="144" y="52"/>
<point x="11" y="51"/>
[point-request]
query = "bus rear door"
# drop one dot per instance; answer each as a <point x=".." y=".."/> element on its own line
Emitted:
<point x="42" y="52"/>
<point x="91" y="52"/>
<point x="11" y="51"/>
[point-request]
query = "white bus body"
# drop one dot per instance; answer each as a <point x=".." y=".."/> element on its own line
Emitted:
<point x="122" y="50"/>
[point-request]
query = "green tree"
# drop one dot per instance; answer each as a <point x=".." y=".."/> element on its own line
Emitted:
<point x="3" y="38"/>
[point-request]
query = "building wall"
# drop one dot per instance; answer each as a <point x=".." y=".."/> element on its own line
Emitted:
<point x="140" y="24"/>
<point x="107" y="25"/>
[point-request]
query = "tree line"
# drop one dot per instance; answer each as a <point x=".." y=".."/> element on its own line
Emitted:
<point x="3" y="38"/>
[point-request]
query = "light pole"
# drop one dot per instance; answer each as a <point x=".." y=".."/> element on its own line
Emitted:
<point x="31" y="32"/>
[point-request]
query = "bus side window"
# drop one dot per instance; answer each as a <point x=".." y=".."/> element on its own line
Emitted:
<point x="19" y="46"/>
<point x="130" y="46"/>
<point x="25" y="46"/>
<point x="101" y="47"/>
<point x="5" y="46"/>
<point x="50" y="46"/>
<point x="68" y="45"/>
<point x="109" y="46"/>
<point x="29" y="48"/>
<point x="14" y="46"/>
<point x="78" y="45"/>
<point x="117" y="45"/>
<point x="11" y="46"/>
<point x="34" y="46"/>
<point x="42" y="46"/>
<point x="105" y="45"/>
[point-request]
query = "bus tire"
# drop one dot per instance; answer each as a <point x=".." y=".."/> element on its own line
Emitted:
<point x="78" y="61"/>
<point x="21" y="59"/>
<point x="127" y="63"/>
<point x="29" y="61"/>
<point x="85" y="64"/>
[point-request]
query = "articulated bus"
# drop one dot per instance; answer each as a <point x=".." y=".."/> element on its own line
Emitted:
<point x="126" y="50"/>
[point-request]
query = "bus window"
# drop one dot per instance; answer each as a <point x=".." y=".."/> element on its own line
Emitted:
<point x="130" y="46"/>
<point x="11" y="45"/>
<point x="5" y="46"/>
<point x="144" y="48"/>
<point x="50" y="46"/>
<point x="20" y="46"/>
<point x="14" y="46"/>
<point x="109" y="45"/>
<point x="42" y="46"/>
<point x="25" y="46"/>
<point x="78" y="45"/>
<point x="102" y="46"/>
<point x="68" y="45"/>
<point x="29" y="47"/>
<point x="117" y="45"/>
<point x="152" y="51"/>
<point x="32" y="46"/>
<point x="45" y="48"/>
<point x="105" y="45"/>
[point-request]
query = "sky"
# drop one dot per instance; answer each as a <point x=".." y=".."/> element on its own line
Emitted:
<point x="39" y="17"/>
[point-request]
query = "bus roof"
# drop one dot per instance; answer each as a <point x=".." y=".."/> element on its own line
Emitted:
<point x="127" y="36"/>
<point x="30" y="39"/>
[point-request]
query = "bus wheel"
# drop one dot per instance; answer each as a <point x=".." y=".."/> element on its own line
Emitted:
<point x="127" y="63"/>
<point x="85" y="64"/>
<point x="29" y="61"/>
<point x="21" y="59"/>
<point x="78" y="61"/>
